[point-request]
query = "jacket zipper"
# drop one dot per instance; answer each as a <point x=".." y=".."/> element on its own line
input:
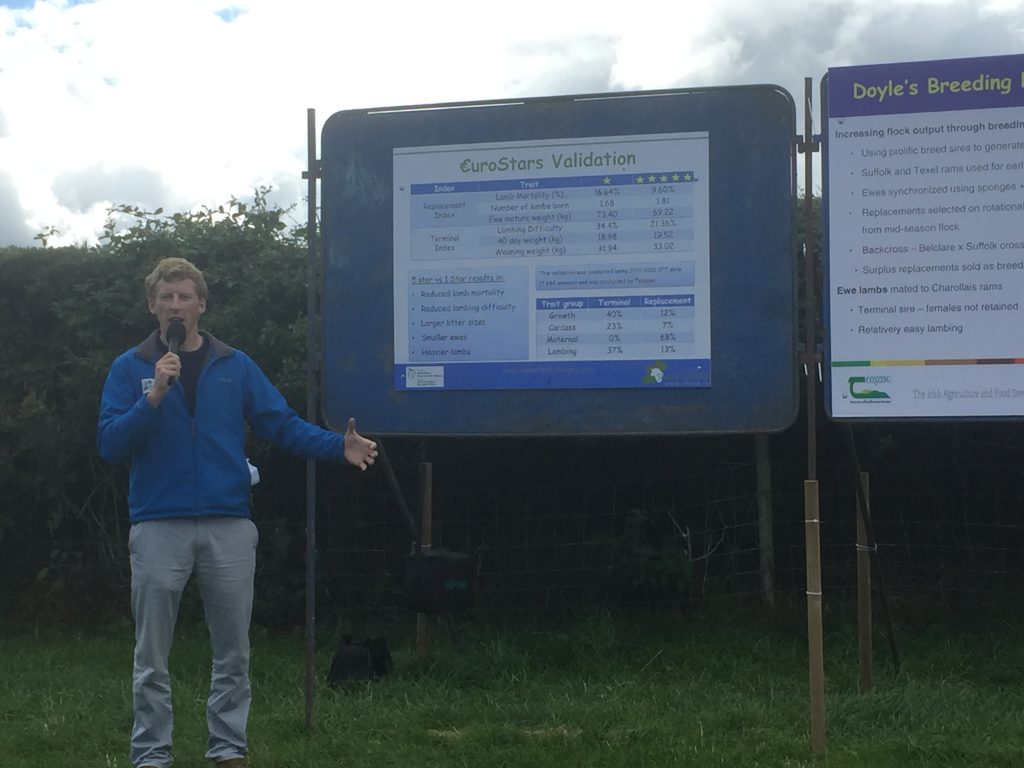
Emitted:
<point x="194" y="426"/>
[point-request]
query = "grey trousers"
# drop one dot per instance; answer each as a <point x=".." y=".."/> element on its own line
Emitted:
<point x="221" y="552"/>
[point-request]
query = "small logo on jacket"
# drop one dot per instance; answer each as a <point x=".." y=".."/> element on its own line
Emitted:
<point x="147" y="385"/>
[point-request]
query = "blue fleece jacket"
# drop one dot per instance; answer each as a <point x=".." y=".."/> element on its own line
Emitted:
<point x="185" y="464"/>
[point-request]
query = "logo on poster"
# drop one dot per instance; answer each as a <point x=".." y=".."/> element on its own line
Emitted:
<point x="863" y="388"/>
<point x="655" y="373"/>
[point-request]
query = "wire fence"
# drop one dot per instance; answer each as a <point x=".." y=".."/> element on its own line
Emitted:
<point x="670" y="536"/>
<point x="543" y="548"/>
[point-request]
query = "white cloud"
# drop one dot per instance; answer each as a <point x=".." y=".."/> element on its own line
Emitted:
<point x="191" y="102"/>
<point x="81" y="190"/>
<point x="13" y="229"/>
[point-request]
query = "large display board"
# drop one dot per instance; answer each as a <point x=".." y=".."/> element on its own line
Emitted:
<point x="578" y="265"/>
<point x="924" y="201"/>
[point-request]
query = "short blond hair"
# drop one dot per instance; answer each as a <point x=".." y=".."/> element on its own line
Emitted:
<point x="172" y="270"/>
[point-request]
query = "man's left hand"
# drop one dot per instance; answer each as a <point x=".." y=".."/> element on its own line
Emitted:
<point x="359" y="452"/>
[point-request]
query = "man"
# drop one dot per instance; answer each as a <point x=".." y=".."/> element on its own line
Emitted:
<point x="179" y="420"/>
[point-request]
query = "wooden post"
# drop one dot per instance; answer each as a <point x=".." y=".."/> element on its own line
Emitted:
<point x="872" y="547"/>
<point x="812" y="526"/>
<point x="765" y="535"/>
<point x="864" y="644"/>
<point x="426" y="539"/>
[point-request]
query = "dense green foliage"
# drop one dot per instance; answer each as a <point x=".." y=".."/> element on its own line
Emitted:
<point x="559" y="522"/>
<point x="67" y="314"/>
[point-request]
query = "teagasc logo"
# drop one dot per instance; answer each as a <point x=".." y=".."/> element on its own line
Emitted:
<point x="655" y="373"/>
<point x="868" y="392"/>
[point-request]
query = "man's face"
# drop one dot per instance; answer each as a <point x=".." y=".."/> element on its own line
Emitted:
<point x="177" y="299"/>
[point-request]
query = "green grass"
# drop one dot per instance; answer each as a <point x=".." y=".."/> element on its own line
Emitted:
<point x="604" y="692"/>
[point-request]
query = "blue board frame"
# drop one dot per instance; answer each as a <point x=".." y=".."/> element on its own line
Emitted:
<point x="754" y="387"/>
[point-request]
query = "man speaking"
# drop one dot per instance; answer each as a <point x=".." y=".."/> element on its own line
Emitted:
<point x="179" y="418"/>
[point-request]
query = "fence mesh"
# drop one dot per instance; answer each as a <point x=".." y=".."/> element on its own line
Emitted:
<point x="668" y="531"/>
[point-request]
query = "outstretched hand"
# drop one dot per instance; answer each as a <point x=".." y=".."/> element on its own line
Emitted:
<point x="359" y="452"/>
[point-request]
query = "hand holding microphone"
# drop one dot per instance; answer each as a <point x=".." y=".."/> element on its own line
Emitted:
<point x="175" y="336"/>
<point x="167" y="368"/>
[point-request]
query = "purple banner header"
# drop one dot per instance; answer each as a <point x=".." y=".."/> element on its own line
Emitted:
<point x="926" y="86"/>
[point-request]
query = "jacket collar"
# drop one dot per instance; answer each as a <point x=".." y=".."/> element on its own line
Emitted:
<point x="152" y="349"/>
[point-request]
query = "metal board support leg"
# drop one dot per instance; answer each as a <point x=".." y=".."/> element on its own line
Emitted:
<point x="311" y="408"/>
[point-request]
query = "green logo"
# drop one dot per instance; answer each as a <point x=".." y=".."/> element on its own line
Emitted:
<point x="655" y="373"/>
<point x="866" y="394"/>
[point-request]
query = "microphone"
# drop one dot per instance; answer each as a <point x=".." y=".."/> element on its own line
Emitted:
<point x="175" y="335"/>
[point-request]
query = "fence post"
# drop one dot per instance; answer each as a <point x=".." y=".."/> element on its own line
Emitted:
<point x="864" y="644"/>
<point x="426" y="539"/>
<point x="814" y="629"/>
<point x="765" y="521"/>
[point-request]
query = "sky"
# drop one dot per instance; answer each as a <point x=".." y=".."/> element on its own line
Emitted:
<point x="180" y="104"/>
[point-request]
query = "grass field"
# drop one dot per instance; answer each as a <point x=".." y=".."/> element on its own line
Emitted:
<point x="602" y="692"/>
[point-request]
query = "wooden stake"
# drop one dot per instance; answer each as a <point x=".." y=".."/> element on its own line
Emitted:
<point x="816" y="653"/>
<point x="864" y="643"/>
<point x="423" y="624"/>
<point x="765" y="523"/>
<point x="869" y="533"/>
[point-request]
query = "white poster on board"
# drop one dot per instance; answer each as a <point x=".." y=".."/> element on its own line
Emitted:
<point x="559" y="263"/>
<point x="925" y="274"/>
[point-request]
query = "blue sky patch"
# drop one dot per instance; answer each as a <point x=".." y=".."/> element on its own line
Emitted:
<point x="25" y="4"/>
<point x="230" y="13"/>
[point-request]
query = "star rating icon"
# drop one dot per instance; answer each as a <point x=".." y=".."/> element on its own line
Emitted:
<point x="663" y="178"/>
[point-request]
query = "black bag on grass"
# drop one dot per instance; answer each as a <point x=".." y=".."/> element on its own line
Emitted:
<point x="367" y="659"/>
